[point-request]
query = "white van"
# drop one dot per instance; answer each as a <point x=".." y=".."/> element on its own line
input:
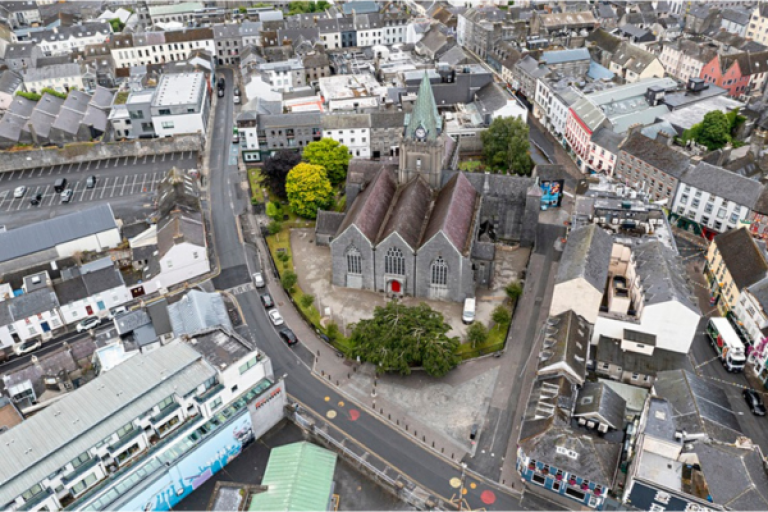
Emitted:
<point x="468" y="316"/>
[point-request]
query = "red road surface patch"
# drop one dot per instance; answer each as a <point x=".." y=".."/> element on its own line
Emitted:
<point x="488" y="497"/>
<point x="354" y="414"/>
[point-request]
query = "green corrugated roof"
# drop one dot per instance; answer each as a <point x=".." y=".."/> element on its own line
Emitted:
<point x="299" y="478"/>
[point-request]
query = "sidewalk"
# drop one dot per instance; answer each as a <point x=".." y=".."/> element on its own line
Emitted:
<point x="355" y="380"/>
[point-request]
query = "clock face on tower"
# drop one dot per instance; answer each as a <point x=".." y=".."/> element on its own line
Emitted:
<point x="421" y="133"/>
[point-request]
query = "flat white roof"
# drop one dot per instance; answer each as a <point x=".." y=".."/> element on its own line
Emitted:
<point x="178" y="89"/>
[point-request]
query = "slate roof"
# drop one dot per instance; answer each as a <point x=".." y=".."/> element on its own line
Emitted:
<point x="410" y="208"/>
<point x="597" y="400"/>
<point x="328" y="222"/>
<point x="380" y="120"/>
<point x="33" y="303"/>
<point x="103" y="279"/>
<point x="604" y="40"/>
<point x="370" y="207"/>
<point x="453" y="213"/>
<point x="9" y="81"/>
<point x="609" y="351"/>
<point x="723" y="183"/>
<point x="656" y="154"/>
<point x="179" y="227"/>
<point x="40" y="236"/>
<point x="760" y="291"/>
<point x="561" y="56"/>
<point x="131" y="320"/>
<point x="71" y="290"/>
<point x="746" y="485"/>
<point x="750" y="63"/>
<point x="491" y="97"/>
<point x="345" y="121"/>
<point x="699" y="405"/>
<point x="608" y="139"/>
<point x="633" y="57"/>
<point x="743" y="258"/>
<point x="587" y="255"/>
<point x="158" y="314"/>
<point x="662" y="275"/>
<point x="566" y="342"/>
<point x="197" y="311"/>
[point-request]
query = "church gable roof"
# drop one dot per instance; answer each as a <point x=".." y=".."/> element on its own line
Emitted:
<point x="424" y="113"/>
<point x="410" y="208"/>
<point x="453" y="212"/>
<point x="370" y="207"/>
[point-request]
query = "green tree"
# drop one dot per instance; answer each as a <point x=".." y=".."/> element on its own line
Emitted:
<point x="289" y="280"/>
<point x="501" y="315"/>
<point x="308" y="190"/>
<point x="307" y="300"/>
<point x="307" y="7"/>
<point x="714" y="131"/>
<point x="332" y="331"/>
<point x="274" y="227"/>
<point x="242" y="9"/>
<point x="506" y="147"/>
<point x="330" y="155"/>
<point x="399" y="337"/>
<point x="117" y="25"/>
<point x="514" y="290"/>
<point x="477" y="334"/>
<point x="28" y="95"/>
<point x="274" y="211"/>
<point x="54" y="92"/>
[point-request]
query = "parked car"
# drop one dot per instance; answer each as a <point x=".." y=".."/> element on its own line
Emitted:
<point x="35" y="201"/>
<point x="237" y="100"/>
<point x="90" y="182"/>
<point x="88" y="324"/>
<point x="288" y="336"/>
<point x="66" y="196"/>
<point x="59" y="185"/>
<point x="258" y="280"/>
<point x="27" y="347"/>
<point x="276" y="317"/>
<point x="754" y="402"/>
<point x="19" y="192"/>
<point x="119" y="310"/>
<point x="236" y="138"/>
<point x="266" y="299"/>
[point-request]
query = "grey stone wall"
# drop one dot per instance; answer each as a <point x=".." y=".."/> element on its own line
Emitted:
<point x="87" y="151"/>
<point x="460" y="275"/>
<point x="410" y="264"/>
<point x="339" y="247"/>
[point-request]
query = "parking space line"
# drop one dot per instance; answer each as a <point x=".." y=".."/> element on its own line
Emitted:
<point x="98" y="164"/>
<point x="88" y="166"/>
<point x="133" y="185"/>
<point x="135" y="158"/>
<point x="82" y="193"/>
<point x="145" y="159"/>
<point x="10" y="205"/>
<point x="45" y="193"/>
<point x="104" y="189"/>
<point x="2" y="175"/>
<point x="143" y="182"/>
<point x="50" y="171"/>
<point x="21" y="203"/>
<point x="79" y="165"/>
<point x="42" y="169"/>
<point x="163" y="160"/>
<point x="3" y="197"/>
<point x="117" y="161"/>
<point x="114" y="186"/>
<point x="122" y="190"/>
<point x="154" y="157"/>
<point x="70" y="167"/>
<point x="53" y="197"/>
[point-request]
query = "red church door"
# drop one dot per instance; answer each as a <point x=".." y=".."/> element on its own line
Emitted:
<point x="395" y="286"/>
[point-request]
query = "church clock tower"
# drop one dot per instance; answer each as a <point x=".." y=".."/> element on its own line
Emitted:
<point x="423" y="145"/>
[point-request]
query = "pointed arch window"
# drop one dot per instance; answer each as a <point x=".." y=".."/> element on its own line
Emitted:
<point x="354" y="261"/>
<point x="394" y="262"/>
<point x="439" y="272"/>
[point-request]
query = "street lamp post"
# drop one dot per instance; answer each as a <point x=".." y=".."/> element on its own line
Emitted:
<point x="461" y="487"/>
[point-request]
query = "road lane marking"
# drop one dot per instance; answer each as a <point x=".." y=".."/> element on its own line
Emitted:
<point x="104" y="189"/>
<point x="133" y="185"/>
<point x="82" y="194"/>
<point x="143" y="182"/>
<point x="122" y="190"/>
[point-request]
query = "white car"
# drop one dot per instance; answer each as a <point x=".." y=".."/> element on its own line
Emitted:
<point x="88" y="324"/>
<point x="19" y="192"/>
<point x="258" y="280"/>
<point x="27" y="347"/>
<point x="276" y="317"/>
<point x="119" y="310"/>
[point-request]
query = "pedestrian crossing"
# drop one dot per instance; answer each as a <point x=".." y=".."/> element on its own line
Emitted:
<point x="243" y="288"/>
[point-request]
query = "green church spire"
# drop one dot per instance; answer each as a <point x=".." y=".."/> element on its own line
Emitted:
<point x="424" y="115"/>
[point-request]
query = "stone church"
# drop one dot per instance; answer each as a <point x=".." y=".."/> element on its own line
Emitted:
<point x="416" y="226"/>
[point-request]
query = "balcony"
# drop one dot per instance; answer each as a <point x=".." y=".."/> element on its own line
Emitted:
<point x="164" y="413"/>
<point x="35" y="500"/>
<point x="82" y="468"/>
<point x="209" y="394"/>
<point x="120" y="443"/>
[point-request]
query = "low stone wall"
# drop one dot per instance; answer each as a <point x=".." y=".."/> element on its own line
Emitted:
<point x="89" y="151"/>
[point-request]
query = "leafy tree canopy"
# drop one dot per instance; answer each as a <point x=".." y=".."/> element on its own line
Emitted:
<point x="306" y="7"/>
<point x="331" y="155"/>
<point x="477" y="334"/>
<point x="399" y="337"/>
<point x="117" y="25"/>
<point x="506" y="147"/>
<point x="308" y="190"/>
<point x="276" y="169"/>
<point x="715" y="130"/>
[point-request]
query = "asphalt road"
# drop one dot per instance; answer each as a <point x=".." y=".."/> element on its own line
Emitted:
<point x="127" y="183"/>
<point x="420" y="465"/>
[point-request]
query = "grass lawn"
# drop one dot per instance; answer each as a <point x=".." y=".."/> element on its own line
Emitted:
<point x="254" y="177"/>
<point x="281" y="243"/>
<point x="494" y="343"/>
<point x="470" y="165"/>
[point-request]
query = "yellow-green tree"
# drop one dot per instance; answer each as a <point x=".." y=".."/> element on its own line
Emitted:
<point x="308" y="190"/>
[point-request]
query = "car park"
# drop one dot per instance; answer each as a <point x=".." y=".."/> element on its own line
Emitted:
<point x="90" y="182"/>
<point x="276" y="317"/>
<point x="35" y="201"/>
<point x="258" y="280"/>
<point x="27" y="347"/>
<point x="19" y="192"/>
<point x="288" y="336"/>
<point x="266" y="299"/>
<point x="66" y="196"/>
<point x="59" y="185"/>
<point x="754" y="402"/>
<point x="88" y="324"/>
